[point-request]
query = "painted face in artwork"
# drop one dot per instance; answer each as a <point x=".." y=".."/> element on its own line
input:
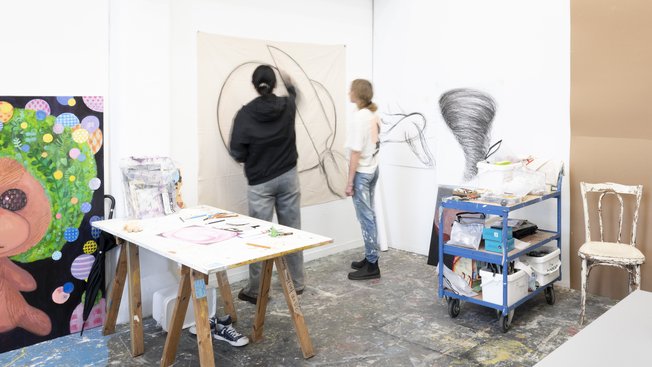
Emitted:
<point x="25" y="216"/>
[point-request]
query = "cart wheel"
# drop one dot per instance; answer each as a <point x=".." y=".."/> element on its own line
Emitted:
<point x="453" y="307"/>
<point x="550" y="295"/>
<point x="505" y="322"/>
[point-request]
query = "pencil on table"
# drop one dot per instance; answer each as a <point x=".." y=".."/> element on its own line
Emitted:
<point x="257" y="245"/>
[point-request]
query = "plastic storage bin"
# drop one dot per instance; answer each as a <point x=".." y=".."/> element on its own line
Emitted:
<point x="163" y="305"/>
<point x="546" y="267"/>
<point x="497" y="246"/>
<point x="492" y="287"/>
<point x="495" y="234"/>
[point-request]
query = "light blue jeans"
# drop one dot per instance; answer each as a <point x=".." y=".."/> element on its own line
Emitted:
<point x="283" y="194"/>
<point x="364" y="185"/>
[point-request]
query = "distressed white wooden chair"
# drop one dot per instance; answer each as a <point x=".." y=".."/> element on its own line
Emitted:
<point x="616" y="254"/>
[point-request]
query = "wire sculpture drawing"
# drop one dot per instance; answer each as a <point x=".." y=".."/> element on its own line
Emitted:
<point x="408" y="128"/>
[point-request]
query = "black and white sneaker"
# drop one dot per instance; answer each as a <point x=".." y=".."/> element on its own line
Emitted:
<point x="230" y="335"/>
<point x="213" y="321"/>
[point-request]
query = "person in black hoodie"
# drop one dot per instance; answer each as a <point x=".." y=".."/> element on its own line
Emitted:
<point x="264" y="139"/>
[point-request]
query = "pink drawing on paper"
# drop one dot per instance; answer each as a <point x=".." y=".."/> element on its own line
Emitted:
<point x="199" y="235"/>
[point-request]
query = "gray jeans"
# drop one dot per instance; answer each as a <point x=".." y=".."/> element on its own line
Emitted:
<point x="283" y="194"/>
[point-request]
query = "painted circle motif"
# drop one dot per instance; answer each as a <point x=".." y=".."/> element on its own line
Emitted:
<point x="41" y="115"/>
<point x="90" y="247"/>
<point x="57" y="128"/>
<point x="71" y="234"/>
<point x="56" y="256"/>
<point x="59" y="296"/>
<point x="95" y="232"/>
<point x="90" y="123"/>
<point x="67" y="119"/>
<point x="95" y="103"/>
<point x="6" y="111"/>
<point x="82" y="157"/>
<point x="63" y="100"/>
<point x="94" y="183"/>
<point x="38" y="105"/>
<point x="74" y="153"/>
<point x="80" y="136"/>
<point x="86" y="207"/>
<point x="95" y="141"/>
<point x="68" y="287"/>
<point x="81" y="266"/>
<point x="47" y="138"/>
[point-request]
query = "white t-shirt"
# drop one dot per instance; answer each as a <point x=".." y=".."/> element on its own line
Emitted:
<point x="359" y="139"/>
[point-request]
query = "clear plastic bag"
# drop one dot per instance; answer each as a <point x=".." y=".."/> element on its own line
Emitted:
<point x="467" y="230"/>
<point x="149" y="186"/>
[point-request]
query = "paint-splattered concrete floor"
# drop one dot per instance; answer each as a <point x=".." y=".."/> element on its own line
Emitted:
<point x="393" y="321"/>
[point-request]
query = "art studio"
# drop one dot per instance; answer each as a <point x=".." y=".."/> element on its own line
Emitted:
<point x="325" y="183"/>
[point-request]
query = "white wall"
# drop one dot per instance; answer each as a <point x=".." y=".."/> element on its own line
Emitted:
<point x="517" y="51"/>
<point x="154" y="92"/>
<point x="45" y="52"/>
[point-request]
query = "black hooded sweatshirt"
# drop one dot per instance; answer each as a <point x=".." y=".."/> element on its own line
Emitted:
<point x="263" y="137"/>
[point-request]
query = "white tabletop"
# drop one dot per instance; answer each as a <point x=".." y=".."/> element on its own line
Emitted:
<point x="253" y="244"/>
<point x="620" y="337"/>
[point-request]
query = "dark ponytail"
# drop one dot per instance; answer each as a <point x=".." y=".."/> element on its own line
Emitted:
<point x="264" y="79"/>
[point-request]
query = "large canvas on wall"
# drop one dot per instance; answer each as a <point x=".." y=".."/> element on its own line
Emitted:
<point x="225" y="66"/>
<point x="51" y="180"/>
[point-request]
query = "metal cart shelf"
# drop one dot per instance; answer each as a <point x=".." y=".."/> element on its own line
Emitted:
<point x="538" y="239"/>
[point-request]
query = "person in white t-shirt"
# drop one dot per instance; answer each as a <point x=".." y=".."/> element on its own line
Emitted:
<point x="362" y="149"/>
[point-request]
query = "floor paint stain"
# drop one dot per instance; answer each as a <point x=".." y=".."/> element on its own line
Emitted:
<point x="492" y="353"/>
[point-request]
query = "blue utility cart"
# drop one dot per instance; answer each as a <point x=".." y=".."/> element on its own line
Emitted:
<point x="538" y="239"/>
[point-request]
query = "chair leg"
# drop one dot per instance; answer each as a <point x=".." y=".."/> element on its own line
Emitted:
<point x="637" y="277"/>
<point x="585" y="281"/>
<point x="630" y="278"/>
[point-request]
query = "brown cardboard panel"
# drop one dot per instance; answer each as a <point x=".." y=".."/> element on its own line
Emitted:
<point x="611" y="77"/>
<point x="604" y="159"/>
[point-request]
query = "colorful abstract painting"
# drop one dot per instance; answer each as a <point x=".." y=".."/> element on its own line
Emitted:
<point x="51" y="189"/>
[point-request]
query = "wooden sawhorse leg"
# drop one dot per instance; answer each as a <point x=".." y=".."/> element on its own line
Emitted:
<point x="128" y="265"/>
<point x="263" y="295"/>
<point x="290" y="298"/>
<point x="193" y="283"/>
<point x="225" y="294"/>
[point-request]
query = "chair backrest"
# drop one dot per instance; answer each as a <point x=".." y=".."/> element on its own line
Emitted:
<point x="610" y="188"/>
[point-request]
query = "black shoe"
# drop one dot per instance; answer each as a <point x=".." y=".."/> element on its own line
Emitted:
<point x="245" y="297"/>
<point x="371" y="271"/>
<point x="213" y="321"/>
<point x="230" y="335"/>
<point x="359" y="264"/>
<point x="298" y="292"/>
